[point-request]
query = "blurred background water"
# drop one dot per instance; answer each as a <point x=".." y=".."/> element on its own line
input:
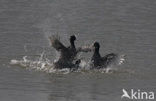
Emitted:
<point x="121" y="26"/>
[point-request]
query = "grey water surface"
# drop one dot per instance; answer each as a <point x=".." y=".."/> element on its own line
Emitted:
<point x="121" y="26"/>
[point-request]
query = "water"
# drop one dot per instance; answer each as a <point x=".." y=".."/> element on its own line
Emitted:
<point x="121" y="26"/>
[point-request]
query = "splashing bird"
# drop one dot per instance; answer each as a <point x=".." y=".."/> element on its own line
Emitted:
<point x="67" y="54"/>
<point x="101" y="62"/>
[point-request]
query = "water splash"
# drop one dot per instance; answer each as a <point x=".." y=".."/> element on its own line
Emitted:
<point x="42" y="63"/>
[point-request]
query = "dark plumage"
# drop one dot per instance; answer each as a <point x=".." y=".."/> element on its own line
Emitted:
<point x="67" y="54"/>
<point x="72" y="49"/>
<point x="101" y="62"/>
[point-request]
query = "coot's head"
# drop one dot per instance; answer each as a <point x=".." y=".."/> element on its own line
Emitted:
<point x="96" y="45"/>
<point x="72" y="38"/>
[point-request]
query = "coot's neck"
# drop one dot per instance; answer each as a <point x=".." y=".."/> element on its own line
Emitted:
<point x="96" y="52"/>
<point x="72" y="43"/>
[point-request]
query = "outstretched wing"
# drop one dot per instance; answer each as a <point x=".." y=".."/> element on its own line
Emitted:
<point x="84" y="49"/>
<point x="55" y="42"/>
<point x="109" y="57"/>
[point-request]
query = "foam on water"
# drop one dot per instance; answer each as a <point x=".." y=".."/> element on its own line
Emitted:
<point x="45" y="65"/>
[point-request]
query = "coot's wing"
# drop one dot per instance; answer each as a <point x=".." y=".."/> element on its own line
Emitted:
<point x="84" y="49"/>
<point x="55" y="42"/>
<point x="109" y="58"/>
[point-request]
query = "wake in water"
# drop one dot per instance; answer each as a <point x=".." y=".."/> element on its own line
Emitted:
<point x="45" y="65"/>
